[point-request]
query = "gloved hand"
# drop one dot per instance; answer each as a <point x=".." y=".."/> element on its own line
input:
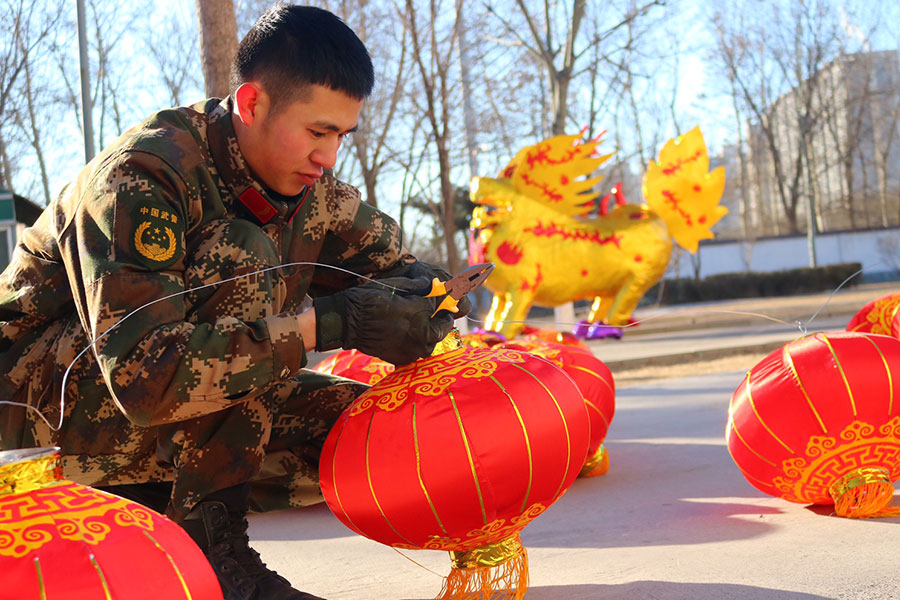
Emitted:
<point x="394" y="325"/>
<point x="422" y="269"/>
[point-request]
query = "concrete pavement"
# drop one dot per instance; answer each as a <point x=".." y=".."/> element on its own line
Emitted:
<point x="673" y="519"/>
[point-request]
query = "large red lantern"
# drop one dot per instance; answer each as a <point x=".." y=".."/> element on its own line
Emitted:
<point x="878" y="316"/>
<point x="355" y="365"/>
<point x="818" y="421"/>
<point x="596" y="383"/>
<point x="458" y="452"/>
<point x="62" y="540"/>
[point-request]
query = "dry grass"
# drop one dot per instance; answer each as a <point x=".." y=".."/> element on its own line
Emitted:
<point x="640" y="375"/>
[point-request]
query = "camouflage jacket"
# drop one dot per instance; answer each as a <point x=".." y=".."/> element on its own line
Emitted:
<point x="117" y="238"/>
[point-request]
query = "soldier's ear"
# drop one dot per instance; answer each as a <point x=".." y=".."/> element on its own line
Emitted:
<point x="249" y="102"/>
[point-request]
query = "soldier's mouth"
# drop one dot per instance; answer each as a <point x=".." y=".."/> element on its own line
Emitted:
<point x="309" y="179"/>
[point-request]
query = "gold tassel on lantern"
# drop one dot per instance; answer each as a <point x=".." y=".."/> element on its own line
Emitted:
<point x="864" y="493"/>
<point x="494" y="572"/>
<point x="598" y="464"/>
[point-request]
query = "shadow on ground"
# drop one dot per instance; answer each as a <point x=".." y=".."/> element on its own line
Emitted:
<point x="665" y="590"/>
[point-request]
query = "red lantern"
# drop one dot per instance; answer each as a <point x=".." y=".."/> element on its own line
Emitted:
<point x="458" y="452"/>
<point x="878" y="316"/>
<point x="552" y="335"/>
<point x="595" y="381"/>
<point x="483" y="339"/>
<point x="818" y="421"/>
<point x="60" y="539"/>
<point x="355" y="365"/>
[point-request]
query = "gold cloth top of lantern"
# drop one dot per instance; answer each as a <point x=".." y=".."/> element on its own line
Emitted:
<point x="28" y="469"/>
<point x="453" y="341"/>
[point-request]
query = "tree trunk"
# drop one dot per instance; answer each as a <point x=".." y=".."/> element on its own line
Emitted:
<point x="5" y="167"/>
<point x="35" y="137"/>
<point x="849" y="174"/>
<point x="561" y="103"/>
<point x="742" y="157"/>
<point x="447" y="212"/>
<point x="882" y="190"/>
<point x="218" y="43"/>
<point x="370" y="177"/>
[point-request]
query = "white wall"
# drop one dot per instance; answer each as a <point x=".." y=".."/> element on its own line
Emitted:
<point x="877" y="251"/>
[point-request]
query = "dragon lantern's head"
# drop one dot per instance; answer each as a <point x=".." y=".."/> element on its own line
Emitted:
<point x="495" y="199"/>
<point x="545" y="181"/>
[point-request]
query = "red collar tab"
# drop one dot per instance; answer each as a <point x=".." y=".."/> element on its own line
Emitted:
<point x="261" y="208"/>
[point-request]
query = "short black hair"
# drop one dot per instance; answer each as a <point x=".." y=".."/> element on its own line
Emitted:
<point x="291" y="47"/>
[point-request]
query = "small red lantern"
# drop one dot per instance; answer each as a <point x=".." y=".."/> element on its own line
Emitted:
<point x="818" y="421"/>
<point x="483" y="339"/>
<point x="596" y="383"/>
<point x="63" y="540"/>
<point x="458" y="452"/>
<point x="551" y="335"/>
<point x="355" y="365"/>
<point x="878" y="316"/>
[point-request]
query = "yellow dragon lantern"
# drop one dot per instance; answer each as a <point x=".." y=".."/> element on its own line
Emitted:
<point x="534" y="222"/>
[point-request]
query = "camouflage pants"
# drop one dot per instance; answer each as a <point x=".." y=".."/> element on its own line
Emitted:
<point x="271" y="438"/>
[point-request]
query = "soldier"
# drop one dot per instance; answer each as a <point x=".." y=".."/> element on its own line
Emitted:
<point x="197" y="404"/>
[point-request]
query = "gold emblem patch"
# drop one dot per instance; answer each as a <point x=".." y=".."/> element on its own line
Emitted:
<point x="157" y="236"/>
<point x="157" y="243"/>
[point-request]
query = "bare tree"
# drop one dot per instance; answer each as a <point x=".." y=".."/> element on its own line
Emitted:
<point x="557" y="50"/>
<point x="371" y="142"/>
<point x="113" y="76"/>
<point x="31" y="25"/>
<point x="777" y="62"/>
<point x="218" y="43"/>
<point x="29" y="121"/>
<point x="433" y="51"/>
<point x="745" y="213"/>
<point x="886" y="142"/>
<point x="180" y="71"/>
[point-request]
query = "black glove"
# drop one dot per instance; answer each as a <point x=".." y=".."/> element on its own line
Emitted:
<point x="394" y="325"/>
<point x="421" y="269"/>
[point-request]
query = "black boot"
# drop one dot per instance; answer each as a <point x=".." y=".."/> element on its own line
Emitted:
<point x="219" y="527"/>
<point x="152" y="495"/>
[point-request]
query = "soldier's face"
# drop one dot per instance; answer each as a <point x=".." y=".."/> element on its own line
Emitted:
<point x="288" y="149"/>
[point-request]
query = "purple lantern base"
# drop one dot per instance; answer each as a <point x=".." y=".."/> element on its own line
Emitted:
<point x="596" y="331"/>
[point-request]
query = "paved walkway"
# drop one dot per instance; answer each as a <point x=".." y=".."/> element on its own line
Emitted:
<point x="697" y="332"/>
<point x="673" y="519"/>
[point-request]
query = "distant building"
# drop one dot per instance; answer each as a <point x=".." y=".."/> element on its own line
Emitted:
<point x="731" y="226"/>
<point x="16" y="213"/>
<point x="853" y="149"/>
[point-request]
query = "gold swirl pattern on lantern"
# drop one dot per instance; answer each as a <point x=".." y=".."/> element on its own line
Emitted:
<point x="882" y="314"/>
<point x="377" y="371"/>
<point x="432" y="376"/>
<point x="828" y="459"/>
<point x="494" y="532"/>
<point x="28" y="475"/>
<point x="542" y="350"/>
<point x="68" y="511"/>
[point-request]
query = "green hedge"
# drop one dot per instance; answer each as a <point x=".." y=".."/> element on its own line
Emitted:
<point x="753" y="285"/>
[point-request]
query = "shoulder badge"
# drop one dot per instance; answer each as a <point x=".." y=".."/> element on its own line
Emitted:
<point x="157" y="237"/>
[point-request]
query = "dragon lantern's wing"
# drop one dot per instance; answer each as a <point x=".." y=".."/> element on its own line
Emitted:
<point x="556" y="172"/>
<point x="681" y="189"/>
